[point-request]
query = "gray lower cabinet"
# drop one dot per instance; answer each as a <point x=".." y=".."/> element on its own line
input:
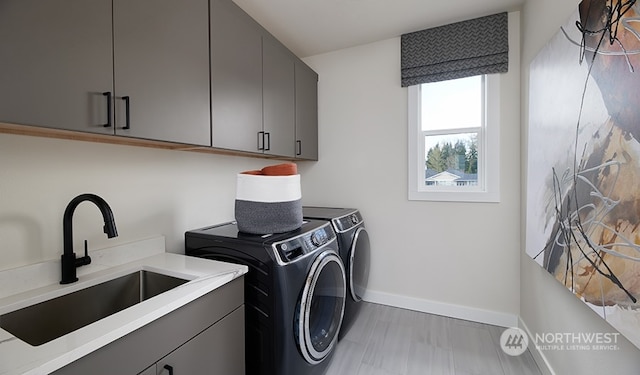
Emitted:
<point x="150" y="371"/>
<point x="205" y="336"/>
<point x="306" y="112"/>
<point x="57" y="61"/>
<point x="218" y="350"/>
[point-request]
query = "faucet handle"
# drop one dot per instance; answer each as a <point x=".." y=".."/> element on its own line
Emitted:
<point x="86" y="259"/>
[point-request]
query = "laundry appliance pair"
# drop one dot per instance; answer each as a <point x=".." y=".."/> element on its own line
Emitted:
<point x="302" y="287"/>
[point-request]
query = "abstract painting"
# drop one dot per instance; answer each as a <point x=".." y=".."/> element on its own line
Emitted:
<point x="583" y="172"/>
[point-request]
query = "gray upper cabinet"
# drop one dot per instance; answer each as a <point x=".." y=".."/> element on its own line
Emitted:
<point x="161" y="50"/>
<point x="278" y="98"/>
<point x="58" y="66"/>
<point x="56" y="59"/>
<point x="197" y="72"/>
<point x="255" y="90"/>
<point x="306" y="112"/>
<point x="236" y="77"/>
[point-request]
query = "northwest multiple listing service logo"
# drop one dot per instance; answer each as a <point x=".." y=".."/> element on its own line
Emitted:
<point x="515" y="341"/>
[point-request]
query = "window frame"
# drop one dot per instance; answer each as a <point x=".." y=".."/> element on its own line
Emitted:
<point x="488" y="186"/>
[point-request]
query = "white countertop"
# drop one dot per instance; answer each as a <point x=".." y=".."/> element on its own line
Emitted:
<point x="26" y="286"/>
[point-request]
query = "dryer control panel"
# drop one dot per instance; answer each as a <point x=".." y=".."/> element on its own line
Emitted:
<point x="298" y="247"/>
<point x="349" y="221"/>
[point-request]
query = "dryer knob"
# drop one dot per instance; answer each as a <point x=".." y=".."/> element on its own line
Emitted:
<point x="319" y="238"/>
<point x="354" y="219"/>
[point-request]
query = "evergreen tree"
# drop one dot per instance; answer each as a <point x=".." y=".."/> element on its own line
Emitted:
<point x="449" y="159"/>
<point x="461" y="152"/>
<point x="434" y="158"/>
<point x="471" y="164"/>
<point x="462" y="156"/>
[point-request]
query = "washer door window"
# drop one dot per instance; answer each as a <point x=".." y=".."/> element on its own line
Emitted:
<point x="321" y="307"/>
<point x="359" y="264"/>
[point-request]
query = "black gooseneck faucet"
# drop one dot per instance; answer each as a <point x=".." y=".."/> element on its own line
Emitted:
<point x="69" y="261"/>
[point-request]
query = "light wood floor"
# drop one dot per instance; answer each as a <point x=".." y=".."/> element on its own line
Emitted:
<point x="391" y="341"/>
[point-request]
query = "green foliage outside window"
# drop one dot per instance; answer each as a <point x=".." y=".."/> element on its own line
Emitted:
<point x="458" y="156"/>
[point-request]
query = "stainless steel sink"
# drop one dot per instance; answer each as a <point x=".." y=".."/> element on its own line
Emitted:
<point x="48" y="320"/>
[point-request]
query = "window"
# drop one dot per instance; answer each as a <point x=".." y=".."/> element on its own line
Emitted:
<point x="454" y="140"/>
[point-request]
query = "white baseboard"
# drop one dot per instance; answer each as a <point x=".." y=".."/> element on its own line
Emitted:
<point x="445" y="309"/>
<point x="538" y="356"/>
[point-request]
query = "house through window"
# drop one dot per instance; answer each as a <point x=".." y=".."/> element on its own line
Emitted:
<point x="451" y="123"/>
<point x="453" y="140"/>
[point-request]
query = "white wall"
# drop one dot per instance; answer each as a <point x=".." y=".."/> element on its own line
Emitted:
<point x="150" y="191"/>
<point x="459" y="259"/>
<point x="546" y="306"/>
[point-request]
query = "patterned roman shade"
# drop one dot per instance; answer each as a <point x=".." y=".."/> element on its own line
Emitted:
<point x="462" y="49"/>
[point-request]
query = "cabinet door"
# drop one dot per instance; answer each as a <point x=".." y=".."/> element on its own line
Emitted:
<point x="278" y="90"/>
<point x="56" y="60"/>
<point x="306" y="112"/>
<point x="217" y="350"/>
<point x="236" y="77"/>
<point x="161" y="50"/>
<point x="149" y="371"/>
<point x="148" y="344"/>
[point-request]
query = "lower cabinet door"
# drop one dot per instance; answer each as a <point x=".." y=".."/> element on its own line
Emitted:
<point x="149" y="371"/>
<point x="217" y="350"/>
